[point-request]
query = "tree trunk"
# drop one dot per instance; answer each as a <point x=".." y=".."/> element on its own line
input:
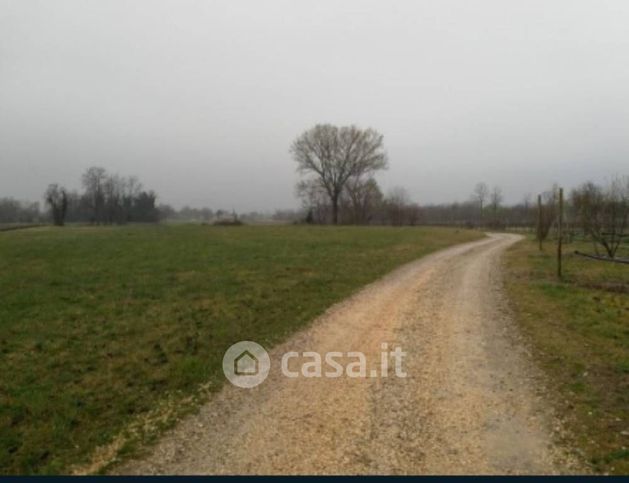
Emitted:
<point x="335" y="210"/>
<point x="481" y="213"/>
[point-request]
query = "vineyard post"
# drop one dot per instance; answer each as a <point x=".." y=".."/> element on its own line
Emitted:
<point x="539" y="221"/>
<point x="560" y="232"/>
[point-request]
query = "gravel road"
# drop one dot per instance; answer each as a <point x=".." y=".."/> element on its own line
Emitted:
<point x="472" y="401"/>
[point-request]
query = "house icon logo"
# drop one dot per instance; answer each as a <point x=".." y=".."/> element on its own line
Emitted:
<point x="246" y="364"/>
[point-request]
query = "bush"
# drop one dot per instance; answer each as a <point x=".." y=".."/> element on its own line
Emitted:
<point x="228" y="223"/>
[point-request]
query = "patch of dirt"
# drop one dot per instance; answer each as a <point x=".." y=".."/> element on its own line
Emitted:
<point x="471" y="401"/>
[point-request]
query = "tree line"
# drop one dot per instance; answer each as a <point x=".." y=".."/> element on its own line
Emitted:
<point x="15" y="211"/>
<point x="106" y="199"/>
<point x="339" y="165"/>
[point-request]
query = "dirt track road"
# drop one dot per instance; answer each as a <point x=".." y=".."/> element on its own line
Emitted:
<point x="470" y="403"/>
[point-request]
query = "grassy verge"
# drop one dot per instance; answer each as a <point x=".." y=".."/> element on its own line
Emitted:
<point x="579" y="328"/>
<point x="100" y="326"/>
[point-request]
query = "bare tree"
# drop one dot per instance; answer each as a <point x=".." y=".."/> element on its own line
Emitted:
<point x="364" y="196"/>
<point x="57" y="199"/>
<point x="413" y="214"/>
<point x="93" y="182"/>
<point x="314" y="199"/>
<point x="14" y="211"/>
<point x="396" y="202"/>
<point x="335" y="154"/>
<point x="547" y="214"/>
<point x="480" y="194"/>
<point x="603" y="213"/>
<point x="495" y="199"/>
<point x="110" y="198"/>
<point x="113" y="188"/>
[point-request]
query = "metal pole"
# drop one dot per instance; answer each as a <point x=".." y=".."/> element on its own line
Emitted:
<point x="560" y="232"/>
<point x="539" y="220"/>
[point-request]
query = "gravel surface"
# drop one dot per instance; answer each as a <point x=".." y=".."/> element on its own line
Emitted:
<point x="472" y="401"/>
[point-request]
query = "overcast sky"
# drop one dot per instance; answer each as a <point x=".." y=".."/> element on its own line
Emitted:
<point x="201" y="99"/>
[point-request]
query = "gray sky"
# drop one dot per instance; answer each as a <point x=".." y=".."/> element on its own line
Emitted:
<point x="202" y="98"/>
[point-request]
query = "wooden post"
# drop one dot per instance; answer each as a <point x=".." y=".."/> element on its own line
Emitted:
<point x="560" y="232"/>
<point x="539" y="220"/>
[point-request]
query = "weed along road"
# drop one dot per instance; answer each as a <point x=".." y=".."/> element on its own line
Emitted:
<point x="470" y="401"/>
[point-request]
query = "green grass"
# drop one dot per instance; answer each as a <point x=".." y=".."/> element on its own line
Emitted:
<point x="99" y="326"/>
<point x="579" y="328"/>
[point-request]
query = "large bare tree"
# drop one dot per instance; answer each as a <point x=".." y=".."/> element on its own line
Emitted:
<point x="335" y="154"/>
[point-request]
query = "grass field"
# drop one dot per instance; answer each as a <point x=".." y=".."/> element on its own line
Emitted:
<point x="579" y="328"/>
<point x="98" y="325"/>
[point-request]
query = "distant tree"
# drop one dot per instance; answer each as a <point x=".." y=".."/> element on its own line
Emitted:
<point x="335" y="154"/>
<point x="79" y="209"/>
<point x="14" y="211"/>
<point x="396" y="203"/>
<point x="166" y="212"/>
<point x="110" y="198"/>
<point x="113" y="198"/>
<point x="603" y="213"/>
<point x="495" y="199"/>
<point x="364" y="196"/>
<point x="480" y="194"/>
<point x="526" y="215"/>
<point x="548" y="213"/>
<point x="94" y="184"/>
<point x="129" y="189"/>
<point x="315" y="200"/>
<point x="415" y="214"/>
<point x="144" y="207"/>
<point x="57" y="199"/>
